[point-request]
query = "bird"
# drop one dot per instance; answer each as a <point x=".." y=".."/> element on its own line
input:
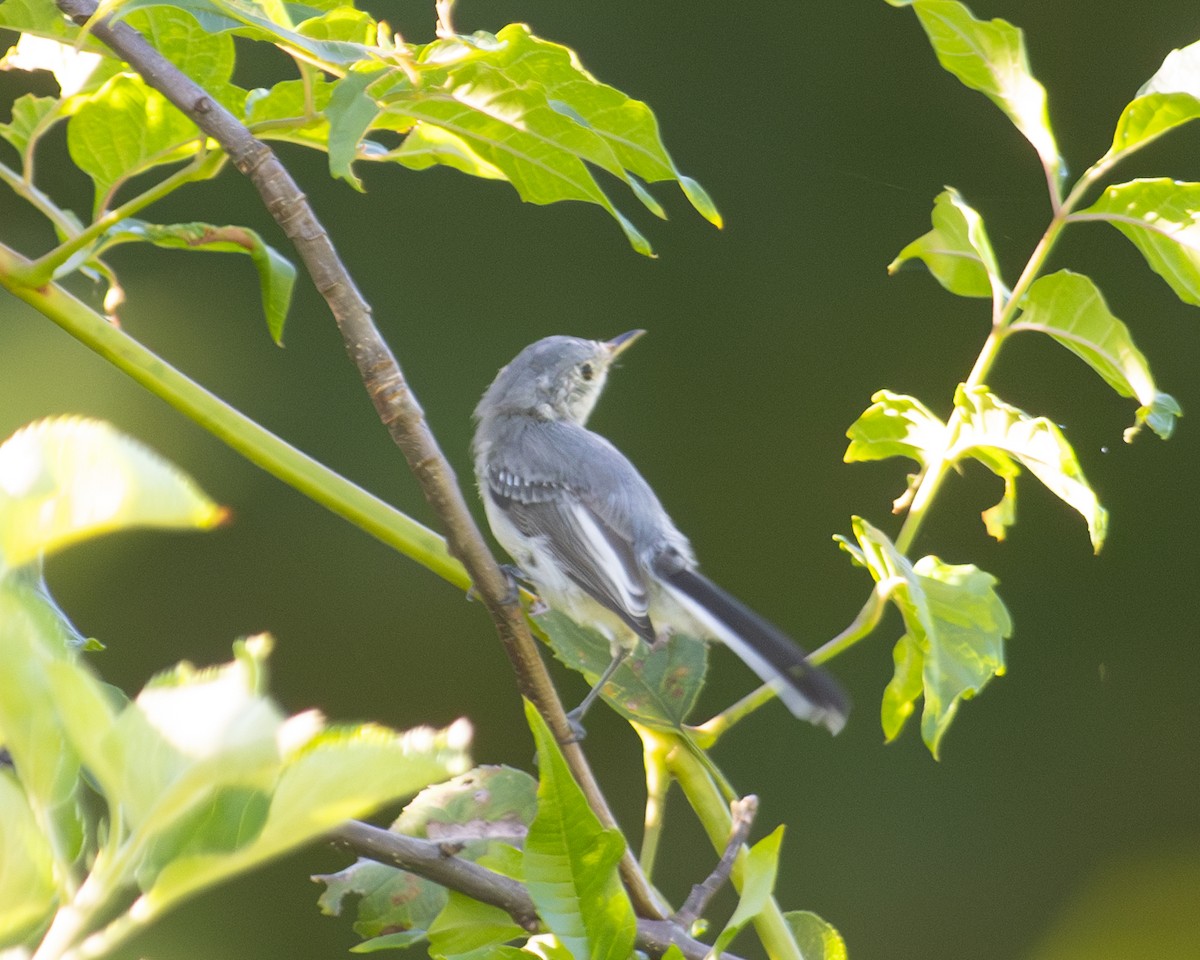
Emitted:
<point x="591" y="537"/>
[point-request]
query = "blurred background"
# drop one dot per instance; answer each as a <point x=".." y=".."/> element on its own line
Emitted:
<point x="1063" y="820"/>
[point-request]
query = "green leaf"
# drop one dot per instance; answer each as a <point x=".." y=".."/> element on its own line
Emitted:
<point x="989" y="56"/>
<point x="895" y="426"/>
<point x="465" y="925"/>
<point x="291" y="110"/>
<point x="276" y="275"/>
<point x="571" y="862"/>
<point x="392" y="908"/>
<point x="759" y="868"/>
<point x="37" y="17"/>
<point x="490" y="803"/>
<point x="1070" y="308"/>
<point x="1161" y="218"/>
<point x="125" y="128"/>
<point x="1000" y="436"/>
<point x="902" y="690"/>
<point x="206" y="57"/>
<point x="324" y="780"/>
<point x="33" y="640"/>
<point x="1179" y="73"/>
<point x="480" y="812"/>
<point x="350" y="112"/>
<point x="955" y="631"/>
<point x="957" y="250"/>
<point x="1150" y="116"/>
<point x="427" y="146"/>
<point x="520" y="106"/>
<point x="657" y="687"/>
<point x="67" y="479"/>
<point x="816" y="938"/>
<point x="27" y="889"/>
<point x="1169" y="98"/>
<point x="29" y="114"/>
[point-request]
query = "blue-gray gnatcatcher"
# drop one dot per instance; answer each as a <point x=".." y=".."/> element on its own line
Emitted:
<point x="591" y="536"/>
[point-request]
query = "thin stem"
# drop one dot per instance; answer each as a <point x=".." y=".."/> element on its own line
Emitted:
<point x="64" y="223"/>
<point x="658" y="782"/>
<point x="255" y="443"/>
<point x="743" y="812"/>
<point x="204" y="166"/>
<point x="713" y="811"/>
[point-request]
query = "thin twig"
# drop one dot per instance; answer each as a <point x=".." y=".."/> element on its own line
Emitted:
<point x="428" y="859"/>
<point x="693" y="908"/>
<point x="395" y="403"/>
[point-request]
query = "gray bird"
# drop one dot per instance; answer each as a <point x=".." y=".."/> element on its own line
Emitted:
<point x="592" y="538"/>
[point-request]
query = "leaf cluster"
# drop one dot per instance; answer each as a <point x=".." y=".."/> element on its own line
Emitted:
<point x="955" y="623"/>
<point x="200" y="776"/>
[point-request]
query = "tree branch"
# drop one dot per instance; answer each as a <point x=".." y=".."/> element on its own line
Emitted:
<point x="395" y="403"/>
<point x="743" y="811"/>
<point x="428" y="859"/>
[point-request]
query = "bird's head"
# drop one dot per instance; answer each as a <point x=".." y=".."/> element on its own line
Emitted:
<point x="557" y="378"/>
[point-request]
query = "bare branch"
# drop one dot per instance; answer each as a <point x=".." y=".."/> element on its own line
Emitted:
<point x="743" y="811"/>
<point x="395" y="403"/>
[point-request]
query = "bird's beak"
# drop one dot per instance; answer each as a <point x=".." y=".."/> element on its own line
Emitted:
<point x="617" y="344"/>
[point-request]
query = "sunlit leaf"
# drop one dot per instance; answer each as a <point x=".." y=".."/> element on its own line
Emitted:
<point x="27" y="889"/>
<point x="571" y="862"/>
<point x="524" y="107"/>
<point x="37" y="17"/>
<point x="29" y="114"/>
<point x="1169" y="98"/>
<point x="758" y="883"/>
<point x="816" y="938"/>
<point x="337" y="775"/>
<point x="989" y="56"/>
<point x="276" y="275"/>
<point x="1179" y="73"/>
<point x="74" y="70"/>
<point x="291" y="110"/>
<point x="957" y="250"/>
<point x="124" y="128"/>
<point x="33" y="640"/>
<point x="895" y="426"/>
<point x="657" y="687"/>
<point x="66" y="479"/>
<point x="1070" y="308"/>
<point x="206" y="57"/>
<point x="465" y="925"/>
<point x="955" y="630"/>
<point x="1149" y="117"/>
<point x="1161" y="218"/>
<point x="1000" y="436"/>
<point x="906" y="685"/>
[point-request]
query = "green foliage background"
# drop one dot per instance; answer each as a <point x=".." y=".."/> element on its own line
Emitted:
<point x="1063" y="813"/>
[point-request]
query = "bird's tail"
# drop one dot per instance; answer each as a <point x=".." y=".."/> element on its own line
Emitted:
<point x="808" y="691"/>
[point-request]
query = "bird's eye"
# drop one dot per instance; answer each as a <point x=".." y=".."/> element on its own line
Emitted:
<point x="586" y="371"/>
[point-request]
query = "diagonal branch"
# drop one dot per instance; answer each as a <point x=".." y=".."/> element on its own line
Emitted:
<point x="428" y="859"/>
<point x="395" y="403"/>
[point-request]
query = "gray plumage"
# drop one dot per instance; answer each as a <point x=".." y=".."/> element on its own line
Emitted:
<point x="591" y="535"/>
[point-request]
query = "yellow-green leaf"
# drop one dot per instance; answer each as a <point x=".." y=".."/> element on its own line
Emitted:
<point x="67" y="479"/>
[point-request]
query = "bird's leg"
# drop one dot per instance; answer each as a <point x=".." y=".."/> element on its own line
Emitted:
<point x="515" y="576"/>
<point x="575" y="717"/>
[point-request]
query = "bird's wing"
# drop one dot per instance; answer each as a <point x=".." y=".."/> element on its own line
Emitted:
<point x="589" y="549"/>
